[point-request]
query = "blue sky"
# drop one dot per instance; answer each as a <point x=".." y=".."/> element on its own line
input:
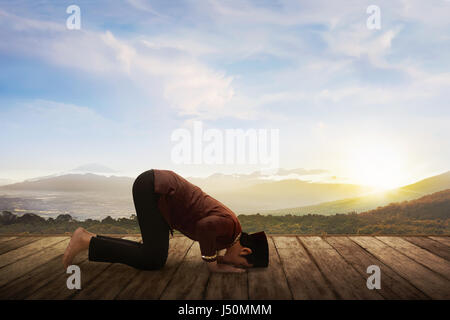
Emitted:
<point x="346" y="99"/>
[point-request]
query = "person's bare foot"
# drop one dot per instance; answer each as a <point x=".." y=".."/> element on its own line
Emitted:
<point x="79" y="242"/>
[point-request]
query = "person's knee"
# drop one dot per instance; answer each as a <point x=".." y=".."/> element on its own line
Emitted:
<point x="152" y="260"/>
<point x="155" y="264"/>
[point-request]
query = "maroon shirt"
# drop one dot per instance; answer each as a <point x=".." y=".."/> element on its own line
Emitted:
<point x="194" y="213"/>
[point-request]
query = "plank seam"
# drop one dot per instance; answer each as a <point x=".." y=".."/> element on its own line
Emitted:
<point x="435" y="272"/>
<point x="436" y="240"/>
<point x="51" y="279"/>
<point x="12" y="240"/>
<point x="77" y="292"/>
<point x="426" y="249"/>
<point x="284" y="271"/>
<point x="384" y="262"/>
<point x="333" y="289"/>
<point x="351" y="264"/>
<point x="32" y="253"/>
<point x="178" y="267"/>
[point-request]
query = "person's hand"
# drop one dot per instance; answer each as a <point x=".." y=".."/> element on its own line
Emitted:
<point x="223" y="268"/>
<point x="221" y="260"/>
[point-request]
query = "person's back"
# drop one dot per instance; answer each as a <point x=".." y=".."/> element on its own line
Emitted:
<point x="184" y="206"/>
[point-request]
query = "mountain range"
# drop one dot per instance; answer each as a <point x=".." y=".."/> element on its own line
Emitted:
<point x="96" y="195"/>
<point x="373" y="200"/>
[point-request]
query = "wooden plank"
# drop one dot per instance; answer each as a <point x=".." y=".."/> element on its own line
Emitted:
<point x="269" y="283"/>
<point x="435" y="247"/>
<point x="38" y="278"/>
<point x="190" y="279"/>
<point x="304" y="278"/>
<point x="16" y="243"/>
<point x="3" y="238"/>
<point x="108" y="284"/>
<point x="392" y="285"/>
<point x="29" y="249"/>
<point x="27" y="264"/>
<point x="151" y="284"/>
<point x="227" y="286"/>
<point x="346" y="281"/>
<point x="444" y="240"/>
<point x="57" y="288"/>
<point x="429" y="282"/>
<point x="428" y="259"/>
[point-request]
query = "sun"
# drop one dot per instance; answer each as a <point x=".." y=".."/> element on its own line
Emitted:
<point x="379" y="166"/>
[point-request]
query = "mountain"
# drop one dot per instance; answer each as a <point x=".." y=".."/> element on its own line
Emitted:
<point x="430" y="185"/>
<point x="87" y="182"/>
<point x="92" y="195"/>
<point x="275" y="194"/>
<point x="372" y="201"/>
<point x="432" y="206"/>
<point x="6" y="181"/>
<point x="241" y="192"/>
<point x="93" y="168"/>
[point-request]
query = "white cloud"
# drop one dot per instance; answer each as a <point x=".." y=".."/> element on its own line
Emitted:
<point x="144" y="6"/>
<point x="190" y="87"/>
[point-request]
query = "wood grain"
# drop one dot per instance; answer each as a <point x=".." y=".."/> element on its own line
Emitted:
<point x="346" y="281"/>
<point x="269" y="283"/>
<point x="12" y="244"/>
<point x="4" y="238"/>
<point x="393" y="286"/>
<point x="428" y="259"/>
<point x="29" y="249"/>
<point x="109" y="283"/>
<point x="39" y="279"/>
<point x="227" y="286"/>
<point x="443" y="240"/>
<point x="151" y="284"/>
<point x="304" y="278"/>
<point x="190" y="279"/>
<point x="429" y="282"/>
<point x="30" y="262"/>
<point x="431" y="245"/>
<point x="300" y="267"/>
<point x="56" y="289"/>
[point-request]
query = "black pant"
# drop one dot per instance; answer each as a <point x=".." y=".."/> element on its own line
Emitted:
<point x="152" y="253"/>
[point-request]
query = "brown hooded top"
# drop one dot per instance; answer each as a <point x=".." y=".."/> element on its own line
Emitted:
<point x="194" y="213"/>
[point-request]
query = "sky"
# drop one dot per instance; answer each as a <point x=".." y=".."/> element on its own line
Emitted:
<point x="365" y="105"/>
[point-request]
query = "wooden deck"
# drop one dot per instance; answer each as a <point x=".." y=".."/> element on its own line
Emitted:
<point x="301" y="267"/>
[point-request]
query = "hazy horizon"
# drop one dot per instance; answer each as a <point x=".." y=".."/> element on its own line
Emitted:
<point x="320" y="177"/>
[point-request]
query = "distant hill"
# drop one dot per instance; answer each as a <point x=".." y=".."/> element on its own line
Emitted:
<point x="430" y="185"/>
<point x="242" y="193"/>
<point x="433" y="206"/>
<point x="371" y="201"/>
<point x="87" y="182"/>
<point x="6" y="181"/>
<point x="276" y="194"/>
<point x="89" y="194"/>
<point x="93" y="168"/>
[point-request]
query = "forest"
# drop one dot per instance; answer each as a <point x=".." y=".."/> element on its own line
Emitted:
<point x="427" y="215"/>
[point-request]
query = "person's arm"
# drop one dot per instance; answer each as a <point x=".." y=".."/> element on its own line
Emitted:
<point x="208" y="229"/>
